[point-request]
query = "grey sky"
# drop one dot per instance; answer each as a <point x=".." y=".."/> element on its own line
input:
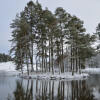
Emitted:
<point x="86" y="10"/>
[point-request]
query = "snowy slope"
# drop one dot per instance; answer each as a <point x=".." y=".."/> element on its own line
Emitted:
<point x="7" y="66"/>
<point x="10" y="66"/>
<point x="92" y="70"/>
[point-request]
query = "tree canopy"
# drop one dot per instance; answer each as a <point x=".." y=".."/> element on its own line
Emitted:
<point x="42" y="35"/>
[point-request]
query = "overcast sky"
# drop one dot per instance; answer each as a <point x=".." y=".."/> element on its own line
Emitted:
<point x="86" y="10"/>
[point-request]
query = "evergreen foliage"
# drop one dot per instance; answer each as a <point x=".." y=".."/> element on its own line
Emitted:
<point x="5" y="57"/>
<point x="40" y="34"/>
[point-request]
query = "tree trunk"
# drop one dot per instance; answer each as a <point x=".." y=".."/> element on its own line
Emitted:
<point x="49" y="56"/>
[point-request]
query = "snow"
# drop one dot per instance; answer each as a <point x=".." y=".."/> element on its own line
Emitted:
<point x="95" y="44"/>
<point x="56" y="76"/>
<point x="25" y="68"/>
<point x="9" y="67"/>
<point x="91" y="70"/>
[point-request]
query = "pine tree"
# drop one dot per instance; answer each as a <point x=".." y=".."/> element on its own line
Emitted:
<point x="38" y="33"/>
<point x="62" y="18"/>
<point x="98" y="36"/>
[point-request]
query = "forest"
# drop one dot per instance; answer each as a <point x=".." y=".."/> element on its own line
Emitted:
<point x="46" y="39"/>
<point x="5" y="58"/>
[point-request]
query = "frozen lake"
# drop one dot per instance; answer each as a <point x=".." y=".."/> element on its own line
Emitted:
<point x="14" y="88"/>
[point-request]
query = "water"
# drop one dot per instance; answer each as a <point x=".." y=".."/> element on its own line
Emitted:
<point x="14" y="88"/>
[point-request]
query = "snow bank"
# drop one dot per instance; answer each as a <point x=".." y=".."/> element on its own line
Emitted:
<point x="7" y="66"/>
<point x="25" y="68"/>
<point x="91" y="70"/>
<point x="56" y="76"/>
<point x="10" y="68"/>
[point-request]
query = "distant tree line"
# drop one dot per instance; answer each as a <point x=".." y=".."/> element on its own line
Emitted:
<point x="40" y="34"/>
<point x="5" y="57"/>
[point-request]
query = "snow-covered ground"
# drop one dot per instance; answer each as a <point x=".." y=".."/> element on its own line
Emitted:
<point x="55" y="76"/>
<point x="91" y="70"/>
<point x="9" y="67"/>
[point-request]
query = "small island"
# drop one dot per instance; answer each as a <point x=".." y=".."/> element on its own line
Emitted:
<point x="52" y="55"/>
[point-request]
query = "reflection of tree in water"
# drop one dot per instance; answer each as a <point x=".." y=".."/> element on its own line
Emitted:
<point x="21" y="93"/>
<point x="81" y="91"/>
<point x="75" y="90"/>
<point x="52" y="90"/>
